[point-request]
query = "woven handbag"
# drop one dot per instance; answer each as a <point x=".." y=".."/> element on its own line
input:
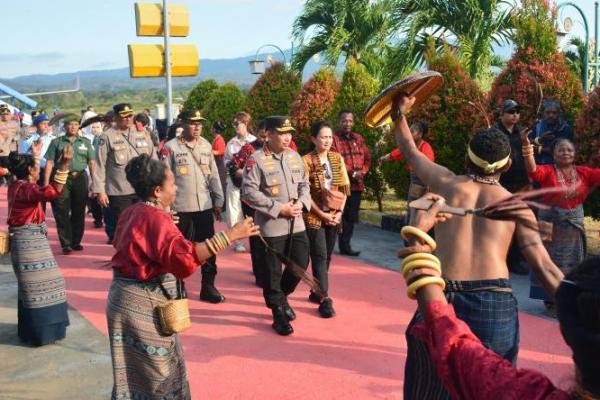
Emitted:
<point x="174" y="316"/>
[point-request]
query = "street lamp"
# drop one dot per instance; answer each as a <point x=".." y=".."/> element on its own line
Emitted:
<point x="258" y="66"/>
<point x="587" y="41"/>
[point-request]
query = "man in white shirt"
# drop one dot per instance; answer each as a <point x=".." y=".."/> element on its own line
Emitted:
<point x="234" y="212"/>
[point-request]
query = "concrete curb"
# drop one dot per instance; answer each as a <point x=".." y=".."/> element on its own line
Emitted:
<point x="386" y="222"/>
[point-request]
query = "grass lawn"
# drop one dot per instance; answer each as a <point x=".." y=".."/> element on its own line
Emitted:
<point x="394" y="206"/>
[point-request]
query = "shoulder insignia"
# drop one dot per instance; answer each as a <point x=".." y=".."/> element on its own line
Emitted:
<point x="250" y="163"/>
<point x="164" y="153"/>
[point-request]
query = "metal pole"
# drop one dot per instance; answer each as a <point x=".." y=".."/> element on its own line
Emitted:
<point x="586" y="61"/>
<point x="167" y="63"/>
<point x="595" y="81"/>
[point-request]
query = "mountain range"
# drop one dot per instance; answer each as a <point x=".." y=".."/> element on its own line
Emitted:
<point x="222" y="70"/>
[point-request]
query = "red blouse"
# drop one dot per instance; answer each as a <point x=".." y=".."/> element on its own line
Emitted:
<point x="468" y="369"/>
<point x="25" y="202"/>
<point x="424" y="148"/>
<point x="149" y="244"/>
<point x="218" y="145"/>
<point x="545" y="175"/>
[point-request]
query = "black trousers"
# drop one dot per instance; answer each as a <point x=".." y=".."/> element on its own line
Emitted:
<point x="322" y="242"/>
<point x="96" y="209"/>
<point x="5" y="164"/>
<point x="349" y="218"/>
<point x="118" y="204"/>
<point x="69" y="210"/>
<point x="257" y="249"/>
<point x="278" y="283"/>
<point x="197" y="227"/>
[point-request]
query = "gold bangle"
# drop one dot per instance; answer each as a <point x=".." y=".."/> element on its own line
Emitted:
<point x="226" y="237"/>
<point x="419" y="234"/>
<point x="418" y="284"/>
<point x="416" y="264"/>
<point x="210" y="247"/>
<point x="420" y="256"/>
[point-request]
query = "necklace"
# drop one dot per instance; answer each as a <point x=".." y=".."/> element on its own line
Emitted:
<point x="484" y="179"/>
<point x="568" y="180"/>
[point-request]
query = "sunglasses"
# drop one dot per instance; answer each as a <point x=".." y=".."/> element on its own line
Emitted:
<point x="235" y="124"/>
<point x="513" y="112"/>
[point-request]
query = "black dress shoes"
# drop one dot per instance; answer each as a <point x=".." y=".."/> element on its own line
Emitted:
<point x="289" y="312"/>
<point x="67" y="250"/>
<point x="209" y="293"/>
<point x="314" y="298"/>
<point x="326" y="308"/>
<point x="77" y="247"/>
<point x="350" y="252"/>
<point x="281" y="325"/>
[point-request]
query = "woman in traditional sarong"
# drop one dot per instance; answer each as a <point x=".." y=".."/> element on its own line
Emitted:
<point x="469" y="370"/>
<point x="324" y="168"/>
<point x="151" y="256"/>
<point x="42" y="303"/>
<point x="567" y="246"/>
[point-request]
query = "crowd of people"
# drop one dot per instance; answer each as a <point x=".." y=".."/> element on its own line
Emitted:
<point x="158" y="201"/>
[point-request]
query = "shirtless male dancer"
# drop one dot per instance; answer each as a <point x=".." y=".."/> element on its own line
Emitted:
<point x="473" y="251"/>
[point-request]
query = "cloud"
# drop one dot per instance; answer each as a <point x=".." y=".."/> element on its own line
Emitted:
<point x="27" y="57"/>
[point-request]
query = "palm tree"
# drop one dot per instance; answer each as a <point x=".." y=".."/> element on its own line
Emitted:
<point x="471" y="26"/>
<point x="575" y="55"/>
<point x="343" y="28"/>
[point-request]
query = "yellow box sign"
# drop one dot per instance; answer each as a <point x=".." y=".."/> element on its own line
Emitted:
<point x="149" y="19"/>
<point x="148" y="60"/>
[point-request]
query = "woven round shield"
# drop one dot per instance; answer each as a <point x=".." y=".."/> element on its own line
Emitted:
<point x="420" y="85"/>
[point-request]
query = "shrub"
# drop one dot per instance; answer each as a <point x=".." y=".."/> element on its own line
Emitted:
<point x="312" y="103"/>
<point x="199" y="95"/>
<point x="587" y="131"/>
<point x="224" y="102"/>
<point x="273" y="92"/>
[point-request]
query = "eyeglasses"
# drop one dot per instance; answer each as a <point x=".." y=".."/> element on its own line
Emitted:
<point x="235" y="124"/>
<point x="513" y="112"/>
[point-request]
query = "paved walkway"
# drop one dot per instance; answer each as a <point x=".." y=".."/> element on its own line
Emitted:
<point x="231" y="351"/>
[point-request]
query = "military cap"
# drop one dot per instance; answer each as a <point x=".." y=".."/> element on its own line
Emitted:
<point x="4" y="109"/>
<point x="40" y="118"/>
<point x="278" y="123"/>
<point x="123" y="109"/>
<point x="191" y="116"/>
<point x="509" y="105"/>
<point x="70" y="118"/>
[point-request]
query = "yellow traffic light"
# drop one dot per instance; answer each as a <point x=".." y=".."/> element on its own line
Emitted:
<point x="149" y="19"/>
<point x="148" y="60"/>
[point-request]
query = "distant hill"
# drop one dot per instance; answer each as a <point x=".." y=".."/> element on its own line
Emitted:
<point x="222" y="70"/>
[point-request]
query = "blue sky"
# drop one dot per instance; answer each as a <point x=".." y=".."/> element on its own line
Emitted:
<point x="70" y="35"/>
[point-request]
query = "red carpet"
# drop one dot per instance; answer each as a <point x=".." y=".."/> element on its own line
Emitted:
<point x="232" y="353"/>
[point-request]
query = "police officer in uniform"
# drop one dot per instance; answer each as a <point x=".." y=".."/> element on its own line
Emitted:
<point x="9" y="135"/>
<point x="276" y="186"/>
<point x="69" y="208"/>
<point x="116" y="147"/>
<point x="199" y="191"/>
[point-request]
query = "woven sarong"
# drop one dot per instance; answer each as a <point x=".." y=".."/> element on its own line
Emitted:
<point x="490" y="310"/>
<point x="568" y="247"/>
<point x="42" y="301"/>
<point x="146" y="364"/>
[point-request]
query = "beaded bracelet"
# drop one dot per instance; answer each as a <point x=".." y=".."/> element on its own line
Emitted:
<point x="419" y="234"/>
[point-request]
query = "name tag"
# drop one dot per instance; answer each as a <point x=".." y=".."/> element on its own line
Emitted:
<point x="83" y="147"/>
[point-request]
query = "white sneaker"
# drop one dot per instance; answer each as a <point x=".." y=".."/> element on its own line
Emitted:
<point x="239" y="248"/>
